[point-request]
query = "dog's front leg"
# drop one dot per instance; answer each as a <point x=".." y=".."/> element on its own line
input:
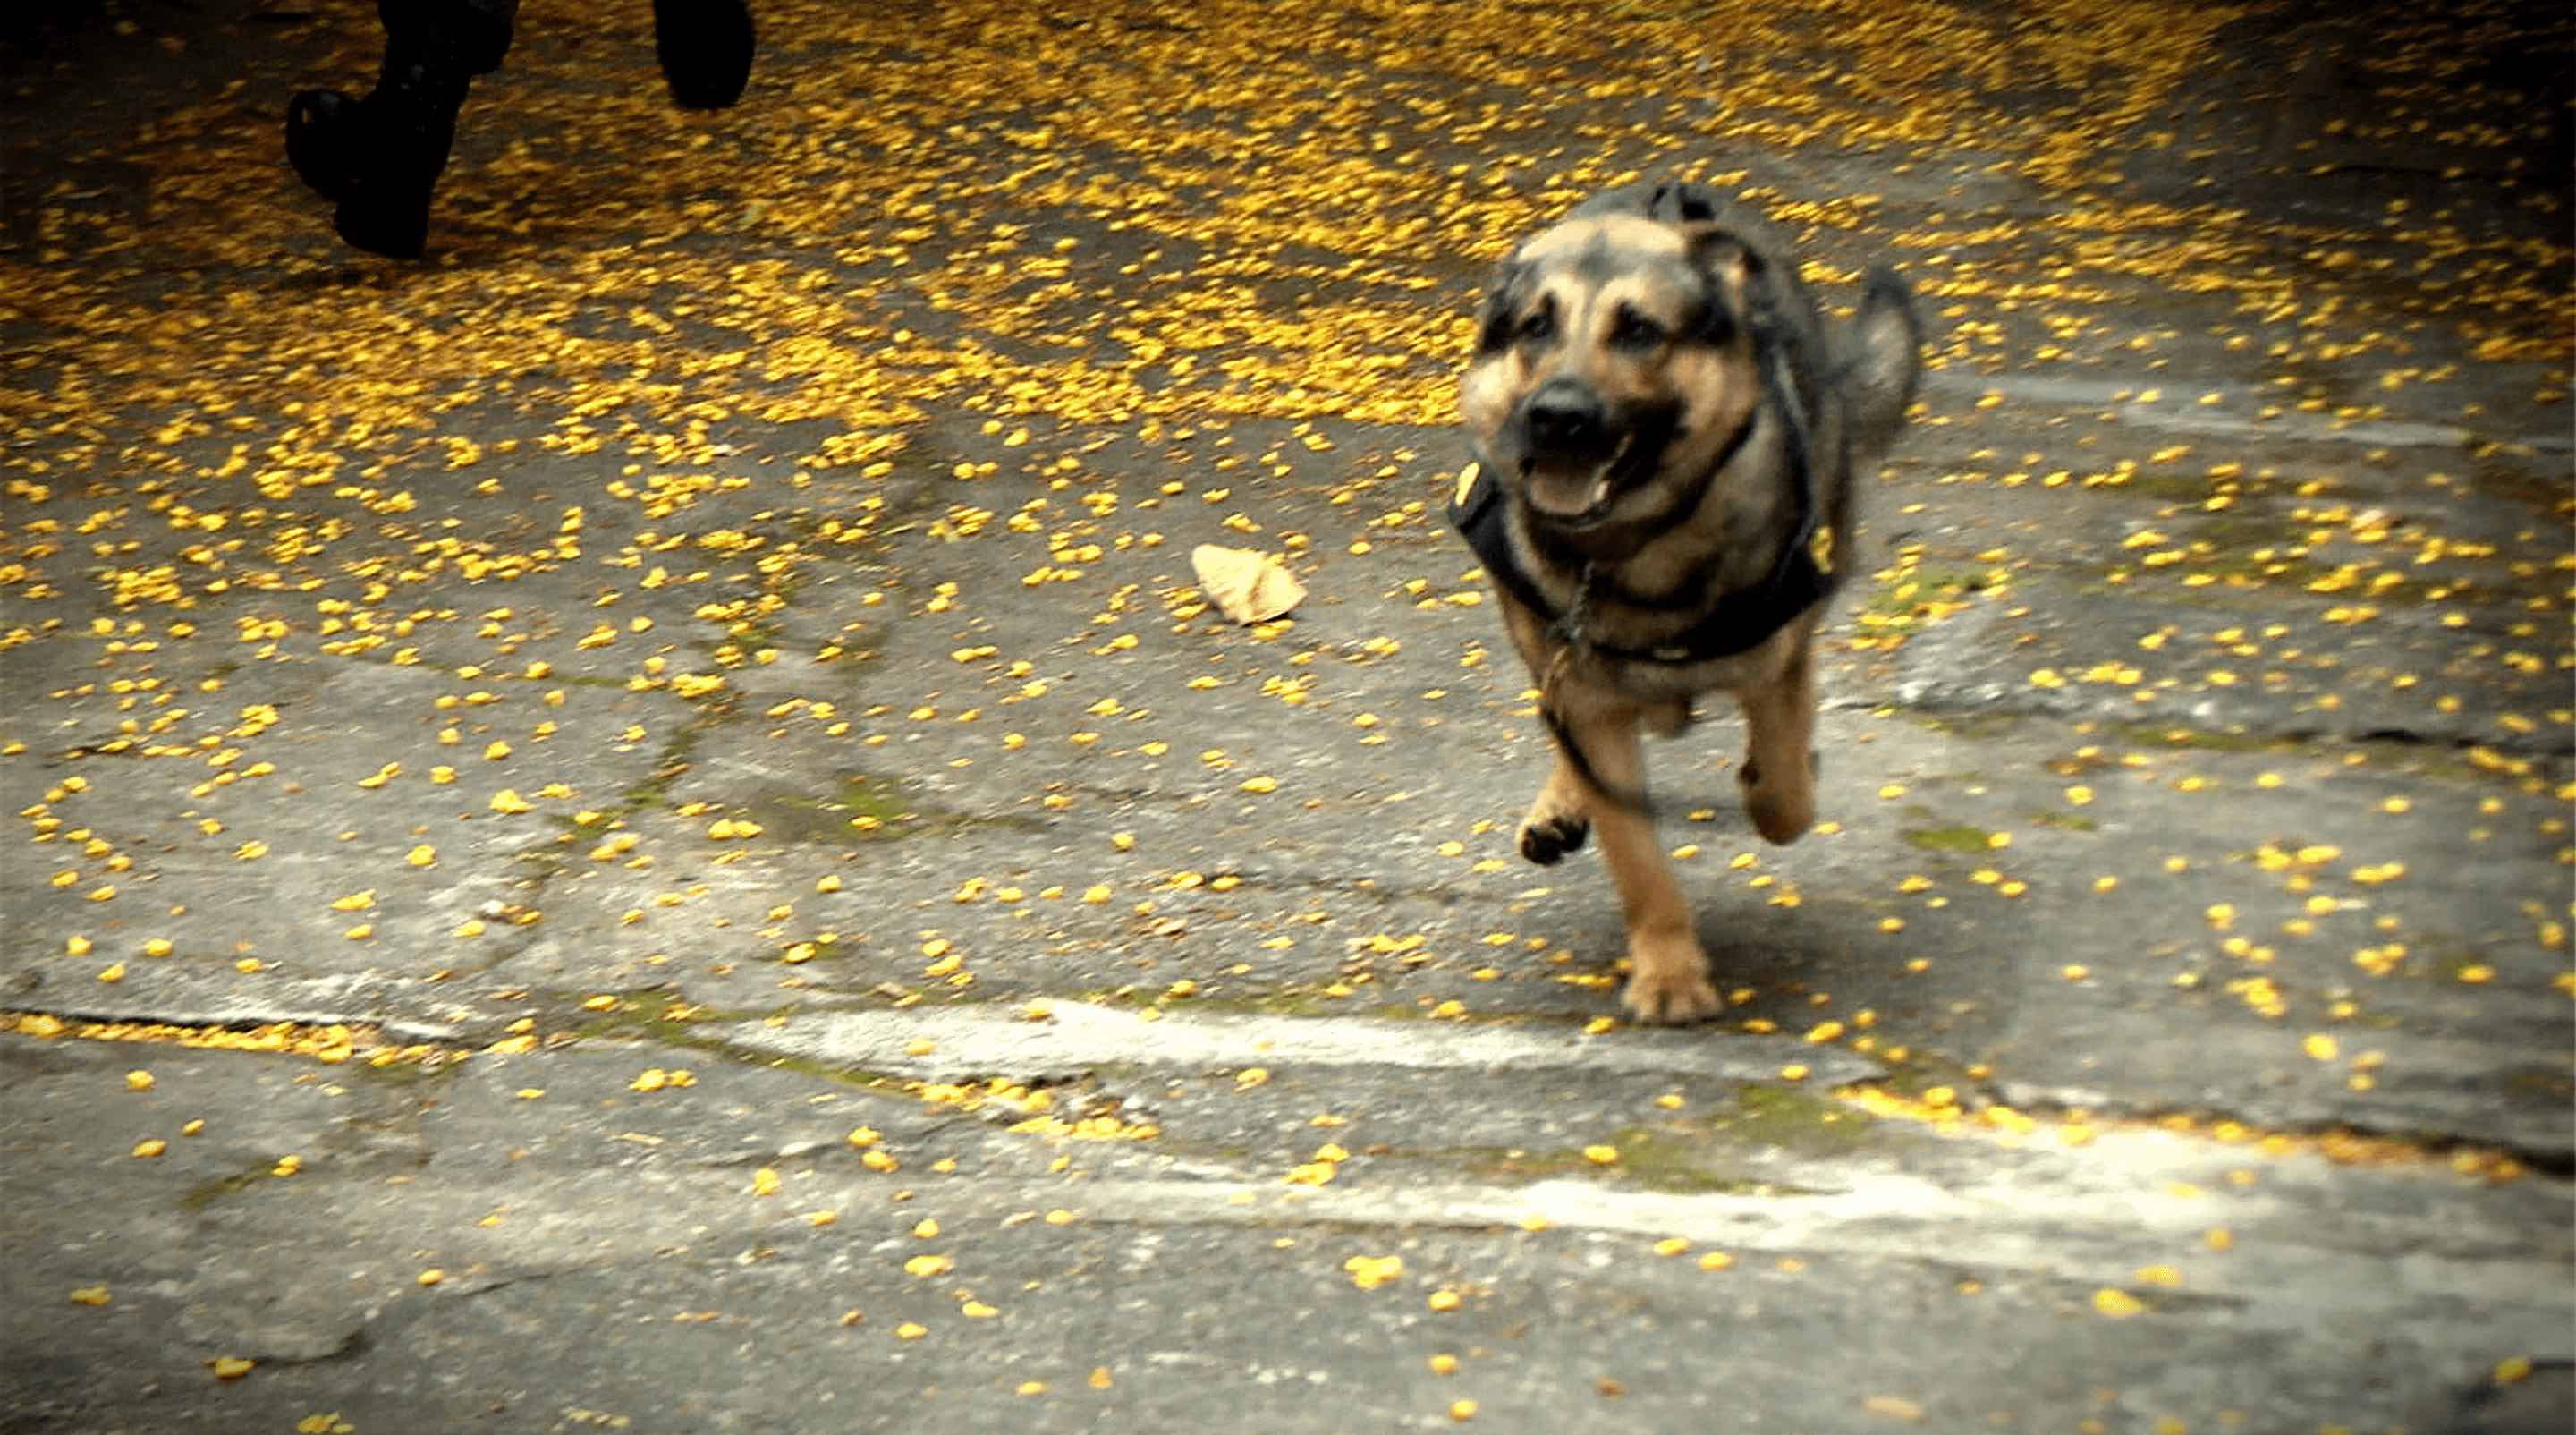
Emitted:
<point x="1667" y="971"/>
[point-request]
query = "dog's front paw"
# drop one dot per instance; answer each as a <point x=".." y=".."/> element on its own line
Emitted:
<point x="1668" y="983"/>
<point x="1543" y="842"/>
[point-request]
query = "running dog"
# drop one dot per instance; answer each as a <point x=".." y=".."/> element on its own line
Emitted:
<point x="1665" y="438"/>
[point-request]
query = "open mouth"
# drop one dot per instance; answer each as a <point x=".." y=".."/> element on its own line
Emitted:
<point x="1574" y="494"/>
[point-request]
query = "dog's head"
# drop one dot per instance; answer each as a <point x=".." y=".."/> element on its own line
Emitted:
<point x="1614" y="354"/>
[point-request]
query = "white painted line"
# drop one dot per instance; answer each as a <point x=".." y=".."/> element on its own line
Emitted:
<point x="1080" y="1037"/>
<point x="2077" y="1231"/>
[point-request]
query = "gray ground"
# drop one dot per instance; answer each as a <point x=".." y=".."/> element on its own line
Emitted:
<point x="2170" y="1032"/>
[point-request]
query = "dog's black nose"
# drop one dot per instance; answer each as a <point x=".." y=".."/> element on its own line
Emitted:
<point x="1564" y="419"/>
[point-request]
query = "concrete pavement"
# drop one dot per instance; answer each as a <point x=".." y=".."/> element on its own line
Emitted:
<point x="642" y="825"/>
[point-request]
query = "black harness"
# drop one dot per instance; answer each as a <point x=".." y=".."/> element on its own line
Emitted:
<point x="1736" y="622"/>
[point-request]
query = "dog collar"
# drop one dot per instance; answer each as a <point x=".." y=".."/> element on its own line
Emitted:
<point x="1736" y="623"/>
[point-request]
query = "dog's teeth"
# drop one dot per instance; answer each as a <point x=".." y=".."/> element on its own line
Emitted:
<point x="1600" y="492"/>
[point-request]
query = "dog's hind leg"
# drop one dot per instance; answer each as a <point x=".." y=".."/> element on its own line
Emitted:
<point x="1779" y="774"/>
<point x="1555" y="824"/>
<point x="1667" y="971"/>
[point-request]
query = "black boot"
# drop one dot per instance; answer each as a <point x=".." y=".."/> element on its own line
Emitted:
<point x="320" y="126"/>
<point x="705" y="47"/>
<point x="408" y="124"/>
<point x="379" y="157"/>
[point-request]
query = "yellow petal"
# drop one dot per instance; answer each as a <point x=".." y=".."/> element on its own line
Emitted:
<point x="2117" y="1304"/>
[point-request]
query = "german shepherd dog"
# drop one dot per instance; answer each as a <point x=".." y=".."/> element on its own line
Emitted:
<point x="1661" y="426"/>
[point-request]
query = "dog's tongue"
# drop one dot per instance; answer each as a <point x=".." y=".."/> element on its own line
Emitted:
<point x="1567" y="493"/>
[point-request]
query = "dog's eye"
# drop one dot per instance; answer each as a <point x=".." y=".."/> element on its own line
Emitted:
<point x="1636" y="331"/>
<point x="1539" y="325"/>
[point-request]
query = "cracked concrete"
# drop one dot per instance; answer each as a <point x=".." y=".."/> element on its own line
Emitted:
<point x="788" y="914"/>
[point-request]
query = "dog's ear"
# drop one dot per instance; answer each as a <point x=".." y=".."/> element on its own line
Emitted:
<point x="1682" y="204"/>
<point x="1736" y="275"/>
<point x="1722" y="255"/>
<point x="1502" y="297"/>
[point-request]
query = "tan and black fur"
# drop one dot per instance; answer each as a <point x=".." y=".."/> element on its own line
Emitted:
<point x="1656" y="396"/>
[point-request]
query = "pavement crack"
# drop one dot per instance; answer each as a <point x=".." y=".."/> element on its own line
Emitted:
<point x="2344" y="1142"/>
<point x="2533" y="745"/>
<point x="234" y="1026"/>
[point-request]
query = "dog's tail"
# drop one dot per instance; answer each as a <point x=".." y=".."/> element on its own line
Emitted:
<point x="1883" y="357"/>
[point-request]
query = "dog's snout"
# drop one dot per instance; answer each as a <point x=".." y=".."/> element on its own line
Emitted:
<point x="1564" y="417"/>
